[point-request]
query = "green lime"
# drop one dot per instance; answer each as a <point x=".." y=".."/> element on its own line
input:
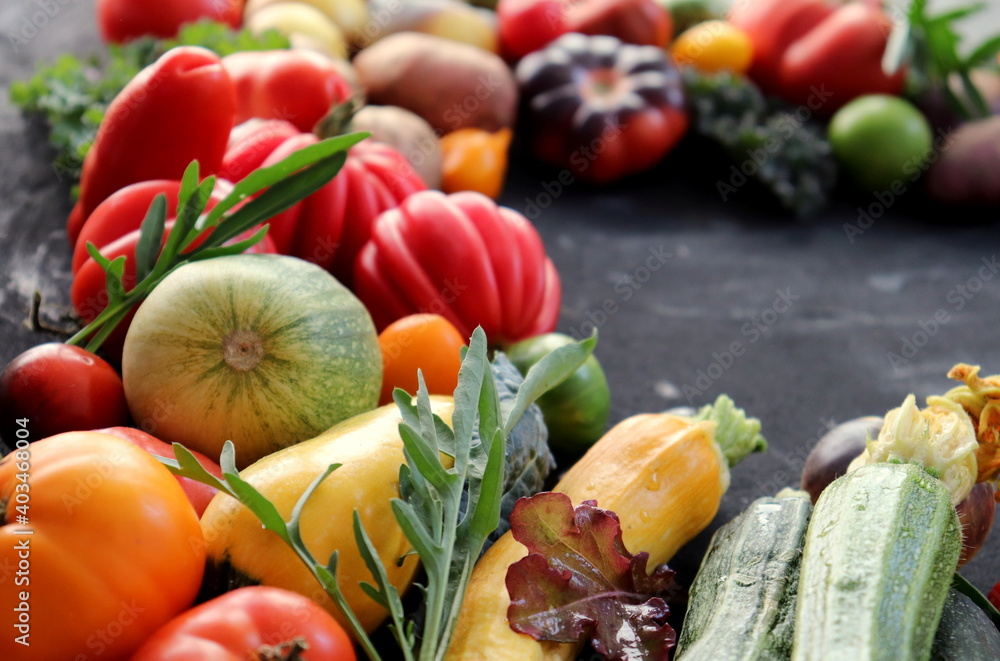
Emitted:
<point x="881" y="141"/>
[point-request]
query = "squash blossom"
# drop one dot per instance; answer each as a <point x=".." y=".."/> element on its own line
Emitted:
<point x="940" y="438"/>
<point x="980" y="397"/>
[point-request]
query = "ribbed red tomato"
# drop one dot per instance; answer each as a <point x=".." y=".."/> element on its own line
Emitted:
<point x="463" y="257"/>
<point x="329" y="227"/>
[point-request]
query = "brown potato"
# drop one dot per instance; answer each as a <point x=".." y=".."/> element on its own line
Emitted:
<point x="407" y="132"/>
<point x="450" y="84"/>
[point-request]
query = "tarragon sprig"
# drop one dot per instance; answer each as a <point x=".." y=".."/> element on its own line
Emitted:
<point x="284" y="183"/>
<point x="450" y="493"/>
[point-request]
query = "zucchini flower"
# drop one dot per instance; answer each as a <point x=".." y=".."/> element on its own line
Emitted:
<point x="940" y="438"/>
<point x="980" y="397"/>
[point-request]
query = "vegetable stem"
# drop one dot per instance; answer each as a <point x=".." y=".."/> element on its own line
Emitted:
<point x="736" y="434"/>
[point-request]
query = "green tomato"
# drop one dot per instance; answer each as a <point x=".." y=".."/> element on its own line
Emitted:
<point x="576" y="411"/>
<point x="880" y="140"/>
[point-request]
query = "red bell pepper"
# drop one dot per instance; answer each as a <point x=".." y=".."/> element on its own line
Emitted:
<point x="525" y="26"/>
<point x="298" y="85"/>
<point x="816" y="53"/>
<point x="179" y="109"/>
<point x="329" y="227"/>
<point x="463" y="257"/>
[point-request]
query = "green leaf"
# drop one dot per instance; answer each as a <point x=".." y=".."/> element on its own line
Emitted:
<point x="486" y="514"/>
<point x="984" y="53"/>
<point x="263" y="178"/>
<point x="233" y="248"/>
<point x="470" y="382"/>
<point x="187" y="465"/>
<point x="424" y="458"/>
<point x="546" y="374"/>
<point x="113" y="276"/>
<point x="147" y="249"/>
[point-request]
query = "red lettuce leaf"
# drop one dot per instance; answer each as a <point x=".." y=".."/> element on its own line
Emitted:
<point x="579" y="580"/>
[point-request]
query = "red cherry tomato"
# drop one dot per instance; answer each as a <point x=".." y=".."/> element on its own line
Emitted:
<point x="240" y="623"/>
<point x="60" y="388"/>
<point x="125" y="20"/>
<point x="199" y="494"/>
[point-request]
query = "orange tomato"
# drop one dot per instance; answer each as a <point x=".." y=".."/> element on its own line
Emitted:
<point x="474" y="159"/>
<point x="427" y="342"/>
<point x="99" y="548"/>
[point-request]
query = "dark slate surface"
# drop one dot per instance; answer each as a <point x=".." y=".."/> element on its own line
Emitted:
<point x="672" y="275"/>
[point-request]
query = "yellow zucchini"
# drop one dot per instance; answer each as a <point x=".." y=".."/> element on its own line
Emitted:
<point x="663" y="474"/>
<point x="370" y="450"/>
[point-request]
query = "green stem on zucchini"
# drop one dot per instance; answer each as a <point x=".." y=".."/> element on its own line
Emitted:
<point x="736" y="434"/>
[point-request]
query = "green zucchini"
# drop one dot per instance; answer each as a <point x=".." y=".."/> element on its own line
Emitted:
<point x="742" y="601"/>
<point x="880" y="552"/>
<point x="965" y="633"/>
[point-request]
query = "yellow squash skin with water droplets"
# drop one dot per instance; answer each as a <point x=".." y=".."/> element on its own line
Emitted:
<point x="370" y="450"/>
<point x="664" y="476"/>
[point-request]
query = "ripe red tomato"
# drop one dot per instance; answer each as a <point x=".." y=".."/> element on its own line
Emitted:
<point x="199" y="494"/>
<point x="125" y="20"/>
<point x="240" y="623"/>
<point x="59" y="388"/>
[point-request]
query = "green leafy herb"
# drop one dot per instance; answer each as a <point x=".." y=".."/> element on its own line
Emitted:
<point x="579" y="581"/>
<point x="790" y="155"/>
<point x="73" y="93"/>
<point x="929" y="45"/>
<point x="445" y="509"/>
<point x="284" y="184"/>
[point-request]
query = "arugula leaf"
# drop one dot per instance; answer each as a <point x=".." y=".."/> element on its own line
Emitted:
<point x="579" y="580"/>
<point x="73" y="93"/>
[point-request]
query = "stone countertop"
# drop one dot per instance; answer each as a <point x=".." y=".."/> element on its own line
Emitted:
<point x="804" y="323"/>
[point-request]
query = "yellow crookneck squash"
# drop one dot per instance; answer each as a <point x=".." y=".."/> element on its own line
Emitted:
<point x="663" y="474"/>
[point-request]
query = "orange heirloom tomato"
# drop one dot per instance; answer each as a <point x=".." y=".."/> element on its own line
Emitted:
<point x="474" y="159"/>
<point x="427" y="342"/>
<point x="101" y="548"/>
<point x="251" y="623"/>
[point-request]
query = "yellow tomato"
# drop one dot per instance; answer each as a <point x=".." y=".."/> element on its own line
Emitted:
<point x="714" y="46"/>
<point x="474" y="159"/>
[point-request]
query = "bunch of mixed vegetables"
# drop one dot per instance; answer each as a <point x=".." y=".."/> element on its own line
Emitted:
<point x="199" y="143"/>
